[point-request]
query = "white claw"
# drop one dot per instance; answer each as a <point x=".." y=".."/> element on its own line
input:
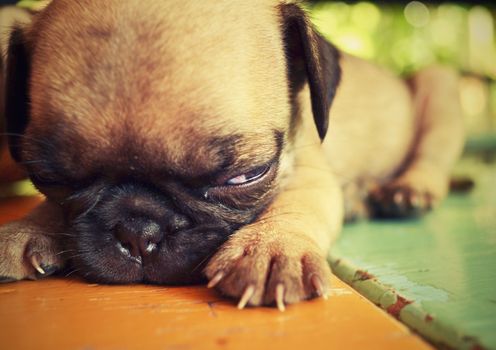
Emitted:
<point x="319" y="288"/>
<point x="249" y="291"/>
<point x="280" y="297"/>
<point x="215" y="280"/>
<point x="36" y="264"/>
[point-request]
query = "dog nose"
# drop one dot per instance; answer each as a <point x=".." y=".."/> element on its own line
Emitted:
<point x="138" y="237"/>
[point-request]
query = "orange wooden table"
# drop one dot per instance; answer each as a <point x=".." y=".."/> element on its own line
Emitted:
<point x="68" y="313"/>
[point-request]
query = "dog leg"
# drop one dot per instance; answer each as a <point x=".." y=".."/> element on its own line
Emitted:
<point x="281" y="258"/>
<point x="28" y="247"/>
<point x="424" y="181"/>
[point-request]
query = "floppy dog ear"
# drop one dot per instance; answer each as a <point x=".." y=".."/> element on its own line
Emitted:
<point x="16" y="90"/>
<point x="310" y="58"/>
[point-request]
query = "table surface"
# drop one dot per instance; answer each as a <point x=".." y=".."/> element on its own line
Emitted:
<point x="436" y="274"/>
<point x="67" y="313"/>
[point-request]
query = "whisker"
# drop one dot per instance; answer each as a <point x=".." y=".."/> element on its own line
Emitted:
<point x="76" y="196"/>
<point x="203" y="260"/>
<point x="71" y="272"/>
<point x="62" y="234"/>
<point x="35" y="161"/>
<point x="40" y="141"/>
<point x="75" y="256"/>
<point x="65" y="251"/>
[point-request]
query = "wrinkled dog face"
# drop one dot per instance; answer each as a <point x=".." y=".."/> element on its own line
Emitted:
<point x="159" y="127"/>
<point x="151" y="223"/>
<point x="157" y="225"/>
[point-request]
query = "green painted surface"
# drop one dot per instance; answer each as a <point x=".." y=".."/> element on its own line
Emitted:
<point x="444" y="264"/>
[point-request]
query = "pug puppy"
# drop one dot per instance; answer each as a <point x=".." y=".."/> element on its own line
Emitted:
<point x="177" y="140"/>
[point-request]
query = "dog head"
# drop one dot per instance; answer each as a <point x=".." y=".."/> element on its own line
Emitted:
<point x="161" y="127"/>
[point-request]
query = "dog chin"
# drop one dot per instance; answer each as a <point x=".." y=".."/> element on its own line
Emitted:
<point x="177" y="248"/>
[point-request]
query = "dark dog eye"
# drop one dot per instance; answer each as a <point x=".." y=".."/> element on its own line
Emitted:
<point x="249" y="177"/>
<point x="42" y="180"/>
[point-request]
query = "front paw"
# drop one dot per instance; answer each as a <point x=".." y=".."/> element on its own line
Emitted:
<point x="269" y="269"/>
<point x="26" y="253"/>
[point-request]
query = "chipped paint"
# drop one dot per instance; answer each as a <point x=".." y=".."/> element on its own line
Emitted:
<point x="395" y="309"/>
<point x="407" y="310"/>
<point x="363" y="275"/>
<point x="439" y="264"/>
<point x="393" y="277"/>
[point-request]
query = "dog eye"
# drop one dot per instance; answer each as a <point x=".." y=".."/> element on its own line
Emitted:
<point x="249" y="177"/>
<point x="238" y="191"/>
<point x="42" y="180"/>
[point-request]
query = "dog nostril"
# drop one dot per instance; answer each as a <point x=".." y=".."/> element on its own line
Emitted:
<point x="127" y="245"/>
<point x="138" y="238"/>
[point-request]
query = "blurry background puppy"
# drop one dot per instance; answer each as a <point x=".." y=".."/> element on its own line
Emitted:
<point x="176" y="140"/>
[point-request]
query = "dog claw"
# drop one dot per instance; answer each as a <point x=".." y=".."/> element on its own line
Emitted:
<point x="249" y="291"/>
<point x="215" y="280"/>
<point x="35" y="261"/>
<point x="319" y="288"/>
<point x="280" y="297"/>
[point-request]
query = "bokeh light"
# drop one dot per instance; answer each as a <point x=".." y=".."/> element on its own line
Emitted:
<point x="406" y="38"/>
<point x="417" y="14"/>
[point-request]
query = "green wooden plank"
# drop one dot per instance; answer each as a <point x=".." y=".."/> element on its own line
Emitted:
<point x="436" y="274"/>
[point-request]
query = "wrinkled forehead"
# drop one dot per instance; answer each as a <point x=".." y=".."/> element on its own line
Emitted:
<point x="154" y="79"/>
<point x="155" y="60"/>
<point x="186" y="151"/>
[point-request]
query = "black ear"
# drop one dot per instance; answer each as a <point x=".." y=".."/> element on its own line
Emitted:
<point x="310" y="58"/>
<point x="16" y="90"/>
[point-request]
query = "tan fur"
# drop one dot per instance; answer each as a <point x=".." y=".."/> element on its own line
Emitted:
<point x="31" y="238"/>
<point x="141" y="83"/>
<point x="170" y="94"/>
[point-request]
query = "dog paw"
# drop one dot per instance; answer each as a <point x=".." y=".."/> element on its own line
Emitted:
<point x="25" y="253"/>
<point x="400" y="201"/>
<point x="264" y="270"/>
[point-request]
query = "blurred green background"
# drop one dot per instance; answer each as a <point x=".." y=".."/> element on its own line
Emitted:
<point x="406" y="36"/>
